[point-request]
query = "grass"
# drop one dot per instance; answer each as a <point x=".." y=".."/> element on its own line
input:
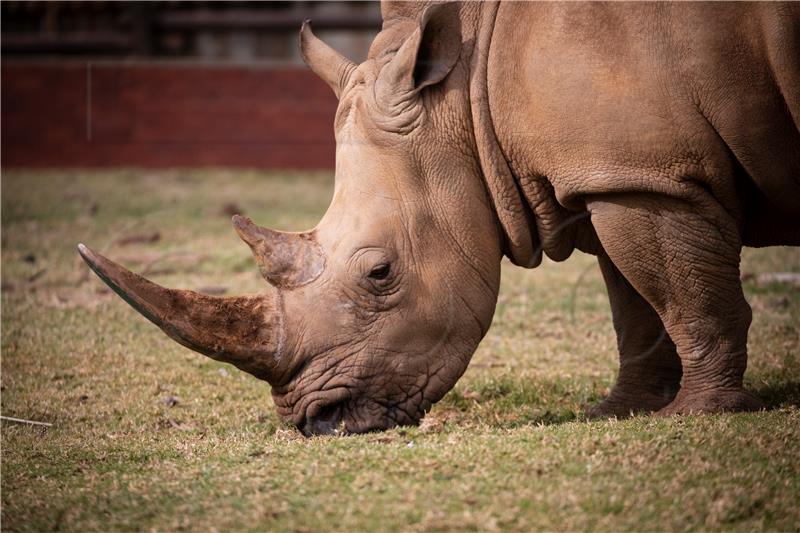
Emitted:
<point x="150" y="436"/>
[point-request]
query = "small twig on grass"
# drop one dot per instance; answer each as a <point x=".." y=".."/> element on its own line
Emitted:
<point x="23" y="421"/>
<point x="788" y="278"/>
<point x="136" y="238"/>
<point x="37" y="275"/>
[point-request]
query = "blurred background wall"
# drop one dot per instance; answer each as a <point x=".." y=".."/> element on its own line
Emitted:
<point x="171" y="84"/>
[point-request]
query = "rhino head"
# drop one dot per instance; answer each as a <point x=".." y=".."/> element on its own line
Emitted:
<point x="372" y="316"/>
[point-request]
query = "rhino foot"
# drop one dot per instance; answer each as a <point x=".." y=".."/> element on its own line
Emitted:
<point x="622" y="404"/>
<point x="712" y="401"/>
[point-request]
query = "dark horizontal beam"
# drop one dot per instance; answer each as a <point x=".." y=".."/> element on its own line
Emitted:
<point x="115" y="42"/>
<point x="236" y="19"/>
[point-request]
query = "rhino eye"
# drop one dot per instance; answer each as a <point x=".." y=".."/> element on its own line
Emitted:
<point x="379" y="272"/>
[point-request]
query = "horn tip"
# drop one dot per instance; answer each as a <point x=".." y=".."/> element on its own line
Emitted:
<point x="240" y="222"/>
<point x="95" y="261"/>
<point x="305" y="28"/>
<point x="85" y="251"/>
<point x="245" y="228"/>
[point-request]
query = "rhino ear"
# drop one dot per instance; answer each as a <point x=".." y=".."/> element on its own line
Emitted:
<point x="428" y="55"/>
<point x="327" y="63"/>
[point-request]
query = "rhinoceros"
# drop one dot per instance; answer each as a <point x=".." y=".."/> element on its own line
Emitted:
<point x="659" y="137"/>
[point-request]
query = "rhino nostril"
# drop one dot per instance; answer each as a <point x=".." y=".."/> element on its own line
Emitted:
<point x="325" y="422"/>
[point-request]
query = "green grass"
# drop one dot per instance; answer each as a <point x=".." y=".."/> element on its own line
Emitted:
<point x="507" y="449"/>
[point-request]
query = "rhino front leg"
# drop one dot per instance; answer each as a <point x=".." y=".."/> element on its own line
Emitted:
<point x="684" y="260"/>
<point x="649" y="366"/>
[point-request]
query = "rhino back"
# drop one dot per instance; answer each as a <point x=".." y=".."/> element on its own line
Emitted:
<point x="675" y="99"/>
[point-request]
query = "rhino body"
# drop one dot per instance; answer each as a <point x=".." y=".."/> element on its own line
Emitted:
<point x="659" y="137"/>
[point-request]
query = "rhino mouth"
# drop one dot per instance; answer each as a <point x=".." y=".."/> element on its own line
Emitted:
<point x="328" y="420"/>
<point x="350" y="417"/>
<point x="323" y="412"/>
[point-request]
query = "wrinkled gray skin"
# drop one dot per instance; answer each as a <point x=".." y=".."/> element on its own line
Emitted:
<point x="659" y="137"/>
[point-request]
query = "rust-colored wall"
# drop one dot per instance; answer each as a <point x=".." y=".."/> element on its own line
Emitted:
<point x="150" y="115"/>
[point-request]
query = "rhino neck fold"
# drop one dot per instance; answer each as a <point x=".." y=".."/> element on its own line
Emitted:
<point x="521" y="242"/>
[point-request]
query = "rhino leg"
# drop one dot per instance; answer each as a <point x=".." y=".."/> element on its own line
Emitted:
<point x="684" y="260"/>
<point x="649" y="366"/>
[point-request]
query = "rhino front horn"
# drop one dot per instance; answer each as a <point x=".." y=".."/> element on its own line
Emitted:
<point x="286" y="260"/>
<point x="245" y="331"/>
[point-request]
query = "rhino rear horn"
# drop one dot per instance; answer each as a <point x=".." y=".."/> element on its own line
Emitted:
<point x="327" y="63"/>
<point x="245" y="331"/>
<point x="286" y="260"/>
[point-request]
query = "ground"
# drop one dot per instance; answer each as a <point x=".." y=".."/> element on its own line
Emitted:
<point x="148" y="435"/>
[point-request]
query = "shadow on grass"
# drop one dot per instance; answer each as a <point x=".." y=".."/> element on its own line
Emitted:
<point x="778" y="395"/>
<point x="508" y="402"/>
